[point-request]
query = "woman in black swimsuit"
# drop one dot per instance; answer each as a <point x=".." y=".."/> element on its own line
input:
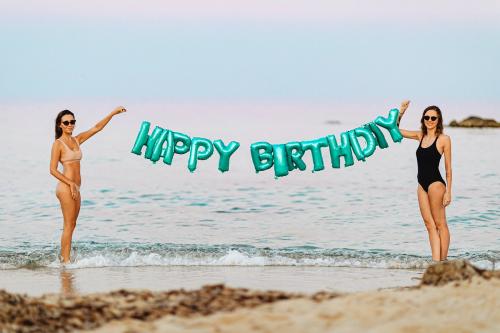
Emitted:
<point x="434" y="194"/>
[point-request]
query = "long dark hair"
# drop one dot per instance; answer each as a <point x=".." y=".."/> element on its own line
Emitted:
<point x="58" y="121"/>
<point x="439" y="127"/>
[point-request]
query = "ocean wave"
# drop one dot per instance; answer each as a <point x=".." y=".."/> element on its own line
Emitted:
<point x="93" y="254"/>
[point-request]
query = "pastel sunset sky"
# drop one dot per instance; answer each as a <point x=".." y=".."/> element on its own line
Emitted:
<point x="293" y="50"/>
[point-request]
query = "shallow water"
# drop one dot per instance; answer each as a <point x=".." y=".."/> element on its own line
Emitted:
<point x="135" y="213"/>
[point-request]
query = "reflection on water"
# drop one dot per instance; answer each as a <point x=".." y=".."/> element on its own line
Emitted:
<point x="67" y="282"/>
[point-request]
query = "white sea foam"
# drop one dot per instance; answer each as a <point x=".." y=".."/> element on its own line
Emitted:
<point x="232" y="258"/>
<point x="93" y="254"/>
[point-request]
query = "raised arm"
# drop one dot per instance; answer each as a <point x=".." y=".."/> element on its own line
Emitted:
<point x="84" y="136"/>
<point x="415" y="135"/>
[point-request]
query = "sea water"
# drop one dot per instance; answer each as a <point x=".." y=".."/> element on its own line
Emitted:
<point x="138" y="214"/>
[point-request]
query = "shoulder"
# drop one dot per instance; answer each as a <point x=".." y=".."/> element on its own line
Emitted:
<point x="56" y="148"/>
<point x="420" y="135"/>
<point x="444" y="141"/>
<point x="444" y="138"/>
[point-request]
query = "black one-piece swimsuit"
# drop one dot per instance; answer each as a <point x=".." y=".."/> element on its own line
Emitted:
<point x="428" y="165"/>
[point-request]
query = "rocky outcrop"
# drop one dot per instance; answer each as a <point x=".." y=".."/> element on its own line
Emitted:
<point x="475" y="122"/>
<point x="457" y="270"/>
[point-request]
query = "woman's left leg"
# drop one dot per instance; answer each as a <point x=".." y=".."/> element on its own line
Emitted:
<point x="69" y="209"/>
<point x="78" y="204"/>
<point x="436" y="193"/>
<point x="77" y="210"/>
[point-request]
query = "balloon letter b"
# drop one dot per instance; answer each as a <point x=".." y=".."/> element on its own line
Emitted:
<point x="262" y="155"/>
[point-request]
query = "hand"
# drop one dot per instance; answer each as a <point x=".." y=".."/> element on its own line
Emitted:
<point x="446" y="199"/>
<point x="404" y="105"/>
<point x="74" y="190"/>
<point x="118" y="110"/>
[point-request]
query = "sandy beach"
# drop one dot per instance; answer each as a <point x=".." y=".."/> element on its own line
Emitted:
<point x="462" y="307"/>
<point x="453" y="296"/>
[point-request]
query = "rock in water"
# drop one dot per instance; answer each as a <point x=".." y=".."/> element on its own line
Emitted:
<point x="475" y="122"/>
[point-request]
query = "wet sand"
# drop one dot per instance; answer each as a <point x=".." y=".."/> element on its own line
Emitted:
<point x="36" y="282"/>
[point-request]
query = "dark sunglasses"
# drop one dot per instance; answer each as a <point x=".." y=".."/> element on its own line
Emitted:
<point x="433" y="118"/>
<point x="67" y="122"/>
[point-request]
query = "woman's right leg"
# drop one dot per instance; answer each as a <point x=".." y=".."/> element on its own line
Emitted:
<point x="425" y="210"/>
<point x="436" y="194"/>
<point x="69" y="210"/>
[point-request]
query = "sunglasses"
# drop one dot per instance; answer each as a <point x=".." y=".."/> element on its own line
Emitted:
<point x="67" y="122"/>
<point x="433" y="118"/>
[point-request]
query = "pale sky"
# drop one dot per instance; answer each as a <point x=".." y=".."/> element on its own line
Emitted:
<point x="293" y="50"/>
<point x="316" y="11"/>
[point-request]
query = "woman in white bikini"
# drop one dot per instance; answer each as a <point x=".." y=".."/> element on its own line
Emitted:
<point x="66" y="149"/>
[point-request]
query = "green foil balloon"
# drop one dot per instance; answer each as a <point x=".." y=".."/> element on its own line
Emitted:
<point x="280" y="161"/>
<point x="173" y="148"/>
<point x="379" y="136"/>
<point x="370" y="140"/>
<point x="262" y="156"/>
<point x="225" y="153"/>
<point x="294" y="155"/>
<point x="152" y="140"/>
<point x="390" y="124"/>
<point x="336" y="150"/>
<point x="142" y="138"/>
<point x="315" y="147"/>
<point x="356" y="147"/>
<point x="158" y="150"/>
<point x="196" y="154"/>
<point x="185" y="143"/>
<point x="168" y="153"/>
